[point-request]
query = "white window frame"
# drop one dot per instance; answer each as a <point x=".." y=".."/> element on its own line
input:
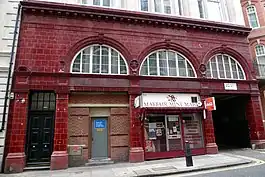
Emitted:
<point x="120" y="57"/>
<point x="255" y="13"/>
<point x="260" y="65"/>
<point x="238" y="66"/>
<point x="158" y="66"/>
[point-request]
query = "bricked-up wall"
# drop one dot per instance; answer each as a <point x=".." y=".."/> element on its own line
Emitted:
<point x="79" y="129"/>
<point x="119" y="134"/>
<point x="79" y="126"/>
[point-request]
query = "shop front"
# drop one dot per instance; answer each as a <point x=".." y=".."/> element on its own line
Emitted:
<point x="170" y="120"/>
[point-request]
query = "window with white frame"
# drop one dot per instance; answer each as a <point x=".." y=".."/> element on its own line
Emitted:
<point x="99" y="59"/>
<point x="223" y="66"/>
<point x="214" y="10"/>
<point x="260" y="54"/>
<point x="252" y="16"/>
<point x="167" y="63"/>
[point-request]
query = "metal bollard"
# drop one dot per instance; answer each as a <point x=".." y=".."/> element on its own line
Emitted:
<point x="188" y="154"/>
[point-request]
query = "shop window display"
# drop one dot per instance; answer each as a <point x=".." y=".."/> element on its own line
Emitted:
<point x="164" y="132"/>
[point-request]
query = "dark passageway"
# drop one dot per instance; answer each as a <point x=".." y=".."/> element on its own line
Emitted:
<point x="230" y="123"/>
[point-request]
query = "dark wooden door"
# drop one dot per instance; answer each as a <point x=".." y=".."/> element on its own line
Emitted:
<point x="40" y="138"/>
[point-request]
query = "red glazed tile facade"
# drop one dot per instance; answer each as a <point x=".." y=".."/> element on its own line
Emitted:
<point x="51" y="35"/>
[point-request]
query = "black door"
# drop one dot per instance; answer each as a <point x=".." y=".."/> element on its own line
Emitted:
<point x="40" y="138"/>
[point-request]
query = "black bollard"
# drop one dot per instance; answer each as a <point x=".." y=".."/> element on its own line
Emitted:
<point x="188" y="154"/>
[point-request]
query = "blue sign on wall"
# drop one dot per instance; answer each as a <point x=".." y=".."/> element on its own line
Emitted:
<point x="100" y="123"/>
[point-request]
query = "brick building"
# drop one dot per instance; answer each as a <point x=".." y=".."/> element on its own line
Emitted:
<point x="254" y="18"/>
<point x="127" y="86"/>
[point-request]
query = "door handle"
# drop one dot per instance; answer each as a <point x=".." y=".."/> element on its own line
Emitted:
<point x="92" y="139"/>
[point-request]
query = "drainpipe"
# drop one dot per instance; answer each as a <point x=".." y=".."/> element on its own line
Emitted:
<point x="10" y="68"/>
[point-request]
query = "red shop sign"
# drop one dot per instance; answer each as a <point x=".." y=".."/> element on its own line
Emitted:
<point x="209" y="104"/>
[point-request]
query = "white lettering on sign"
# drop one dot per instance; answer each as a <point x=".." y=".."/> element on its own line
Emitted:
<point x="230" y="86"/>
<point x="169" y="100"/>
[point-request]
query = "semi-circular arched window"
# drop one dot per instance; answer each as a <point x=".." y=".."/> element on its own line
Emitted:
<point x="167" y="63"/>
<point x="222" y="66"/>
<point x="99" y="59"/>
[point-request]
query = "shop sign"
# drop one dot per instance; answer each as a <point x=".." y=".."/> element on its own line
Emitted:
<point x="170" y="100"/>
<point x="210" y="104"/>
<point x="230" y="86"/>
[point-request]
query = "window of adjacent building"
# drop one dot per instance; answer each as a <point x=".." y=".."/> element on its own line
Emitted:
<point x="214" y="10"/>
<point x="252" y="16"/>
<point x="201" y="8"/>
<point x="260" y="53"/>
<point x="163" y="6"/>
<point x="105" y="3"/>
<point x="144" y="5"/>
<point x="99" y="59"/>
<point x="223" y="66"/>
<point x="167" y="63"/>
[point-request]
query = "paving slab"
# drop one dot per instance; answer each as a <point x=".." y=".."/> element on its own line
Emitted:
<point x="147" y="168"/>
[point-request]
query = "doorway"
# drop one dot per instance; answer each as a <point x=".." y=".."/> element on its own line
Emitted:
<point x="99" y="138"/>
<point x="230" y="123"/>
<point x="40" y="128"/>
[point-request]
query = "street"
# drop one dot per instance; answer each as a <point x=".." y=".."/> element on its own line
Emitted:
<point x="256" y="169"/>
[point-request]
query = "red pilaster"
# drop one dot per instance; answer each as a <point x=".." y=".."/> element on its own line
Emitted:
<point x="59" y="158"/>
<point x="136" y="150"/>
<point x="255" y="123"/>
<point x="211" y="147"/>
<point x="17" y="126"/>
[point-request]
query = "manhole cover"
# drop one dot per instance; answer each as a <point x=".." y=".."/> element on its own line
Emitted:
<point x="164" y="168"/>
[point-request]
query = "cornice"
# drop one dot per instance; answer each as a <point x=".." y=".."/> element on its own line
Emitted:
<point x="131" y="17"/>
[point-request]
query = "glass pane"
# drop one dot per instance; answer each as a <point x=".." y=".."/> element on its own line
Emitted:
<point x="200" y="6"/>
<point x="182" y="66"/>
<point x="52" y="97"/>
<point x="106" y="3"/>
<point x="123" y="69"/>
<point x="227" y="67"/>
<point x="104" y="59"/>
<point x="241" y="75"/>
<point x="152" y="65"/>
<point x="158" y="5"/>
<point x="34" y="105"/>
<point x="172" y="64"/>
<point x="76" y="65"/>
<point x="260" y="50"/>
<point x="144" y="5"/>
<point x="162" y="63"/>
<point x="174" y="133"/>
<point x="96" y="2"/>
<point x="155" y="133"/>
<point x="193" y="130"/>
<point x="114" y="62"/>
<point x="253" y="20"/>
<point x="96" y="59"/>
<point x="85" y="63"/>
<point x="46" y="96"/>
<point x="34" y="97"/>
<point x="220" y="66"/>
<point x="214" y="68"/>
<point x="46" y="105"/>
<point x="234" y="70"/>
<point x="167" y="7"/>
<point x="190" y="71"/>
<point x="86" y="51"/>
<point x="144" y="69"/>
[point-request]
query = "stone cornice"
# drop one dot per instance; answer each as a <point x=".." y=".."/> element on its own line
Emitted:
<point x="132" y="17"/>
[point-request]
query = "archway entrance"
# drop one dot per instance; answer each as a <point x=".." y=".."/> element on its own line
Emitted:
<point x="230" y="123"/>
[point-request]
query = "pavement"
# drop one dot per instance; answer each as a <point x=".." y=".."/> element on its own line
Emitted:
<point x="147" y="168"/>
